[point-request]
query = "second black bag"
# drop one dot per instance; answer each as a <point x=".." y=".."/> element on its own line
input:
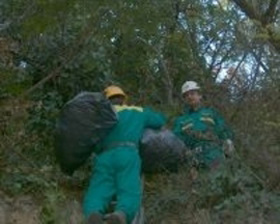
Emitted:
<point x="161" y="151"/>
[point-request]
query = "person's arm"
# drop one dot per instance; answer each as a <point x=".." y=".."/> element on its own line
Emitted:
<point x="224" y="133"/>
<point x="222" y="129"/>
<point x="183" y="135"/>
<point x="177" y="128"/>
<point x="154" y="119"/>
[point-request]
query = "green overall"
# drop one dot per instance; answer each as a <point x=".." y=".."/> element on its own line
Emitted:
<point x="203" y="131"/>
<point x="117" y="168"/>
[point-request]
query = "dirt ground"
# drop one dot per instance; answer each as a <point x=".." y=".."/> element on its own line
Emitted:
<point x="18" y="210"/>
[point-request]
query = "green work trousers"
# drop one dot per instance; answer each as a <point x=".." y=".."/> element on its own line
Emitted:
<point x="116" y="172"/>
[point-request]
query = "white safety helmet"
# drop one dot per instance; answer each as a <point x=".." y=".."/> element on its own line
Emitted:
<point x="189" y="85"/>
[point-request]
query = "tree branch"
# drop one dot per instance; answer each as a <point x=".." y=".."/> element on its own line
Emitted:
<point x="71" y="53"/>
<point x="247" y="9"/>
<point x="264" y="20"/>
<point x="269" y="15"/>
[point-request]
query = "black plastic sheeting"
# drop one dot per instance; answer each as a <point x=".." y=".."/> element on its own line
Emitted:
<point x="83" y="122"/>
<point x="161" y="151"/>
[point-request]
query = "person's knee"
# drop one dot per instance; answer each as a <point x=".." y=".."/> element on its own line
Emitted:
<point x="95" y="218"/>
<point x="117" y="217"/>
<point x="90" y="206"/>
<point x="130" y="209"/>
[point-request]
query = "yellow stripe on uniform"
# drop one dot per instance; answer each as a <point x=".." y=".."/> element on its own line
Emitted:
<point x="208" y="119"/>
<point x="187" y="126"/>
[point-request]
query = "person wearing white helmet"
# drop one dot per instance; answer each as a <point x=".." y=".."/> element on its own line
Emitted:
<point x="190" y="92"/>
<point x="203" y="129"/>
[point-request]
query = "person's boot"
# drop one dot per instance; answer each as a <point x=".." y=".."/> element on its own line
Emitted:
<point x="95" y="218"/>
<point x="116" y="218"/>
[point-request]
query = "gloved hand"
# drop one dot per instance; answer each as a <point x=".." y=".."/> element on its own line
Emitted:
<point x="228" y="147"/>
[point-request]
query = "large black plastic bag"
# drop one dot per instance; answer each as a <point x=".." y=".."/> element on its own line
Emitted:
<point x="83" y="122"/>
<point x="161" y="151"/>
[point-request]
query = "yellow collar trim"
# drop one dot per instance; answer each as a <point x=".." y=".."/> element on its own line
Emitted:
<point x="120" y="108"/>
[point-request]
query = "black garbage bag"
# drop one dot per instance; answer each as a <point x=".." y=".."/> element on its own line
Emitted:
<point x="161" y="151"/>
<point x="83" y="122"/>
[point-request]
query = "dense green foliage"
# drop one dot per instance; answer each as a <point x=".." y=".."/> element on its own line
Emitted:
<point x="52" y="50"/>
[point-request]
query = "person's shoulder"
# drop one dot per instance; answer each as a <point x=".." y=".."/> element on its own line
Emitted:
<point x="208" y="109"/>
<point x="211" y="112"/>
<point x="135" y="108"/>
<point x="149" y="109"/>
<point x="120" y="108"/>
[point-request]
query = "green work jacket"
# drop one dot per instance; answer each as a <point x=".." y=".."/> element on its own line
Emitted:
<point x="203" y="125"/>
<point x="132" y="121"/>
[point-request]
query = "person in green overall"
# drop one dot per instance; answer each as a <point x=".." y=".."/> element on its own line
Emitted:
<point x="117" y="168"/>
<point x="203" y="130"/>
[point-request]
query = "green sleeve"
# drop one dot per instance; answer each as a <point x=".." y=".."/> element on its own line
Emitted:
<point x="154" y="119"/>
<point x="222" y="129"/>
<point x="177" y="127"/>
<point x="177" y="130"/>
